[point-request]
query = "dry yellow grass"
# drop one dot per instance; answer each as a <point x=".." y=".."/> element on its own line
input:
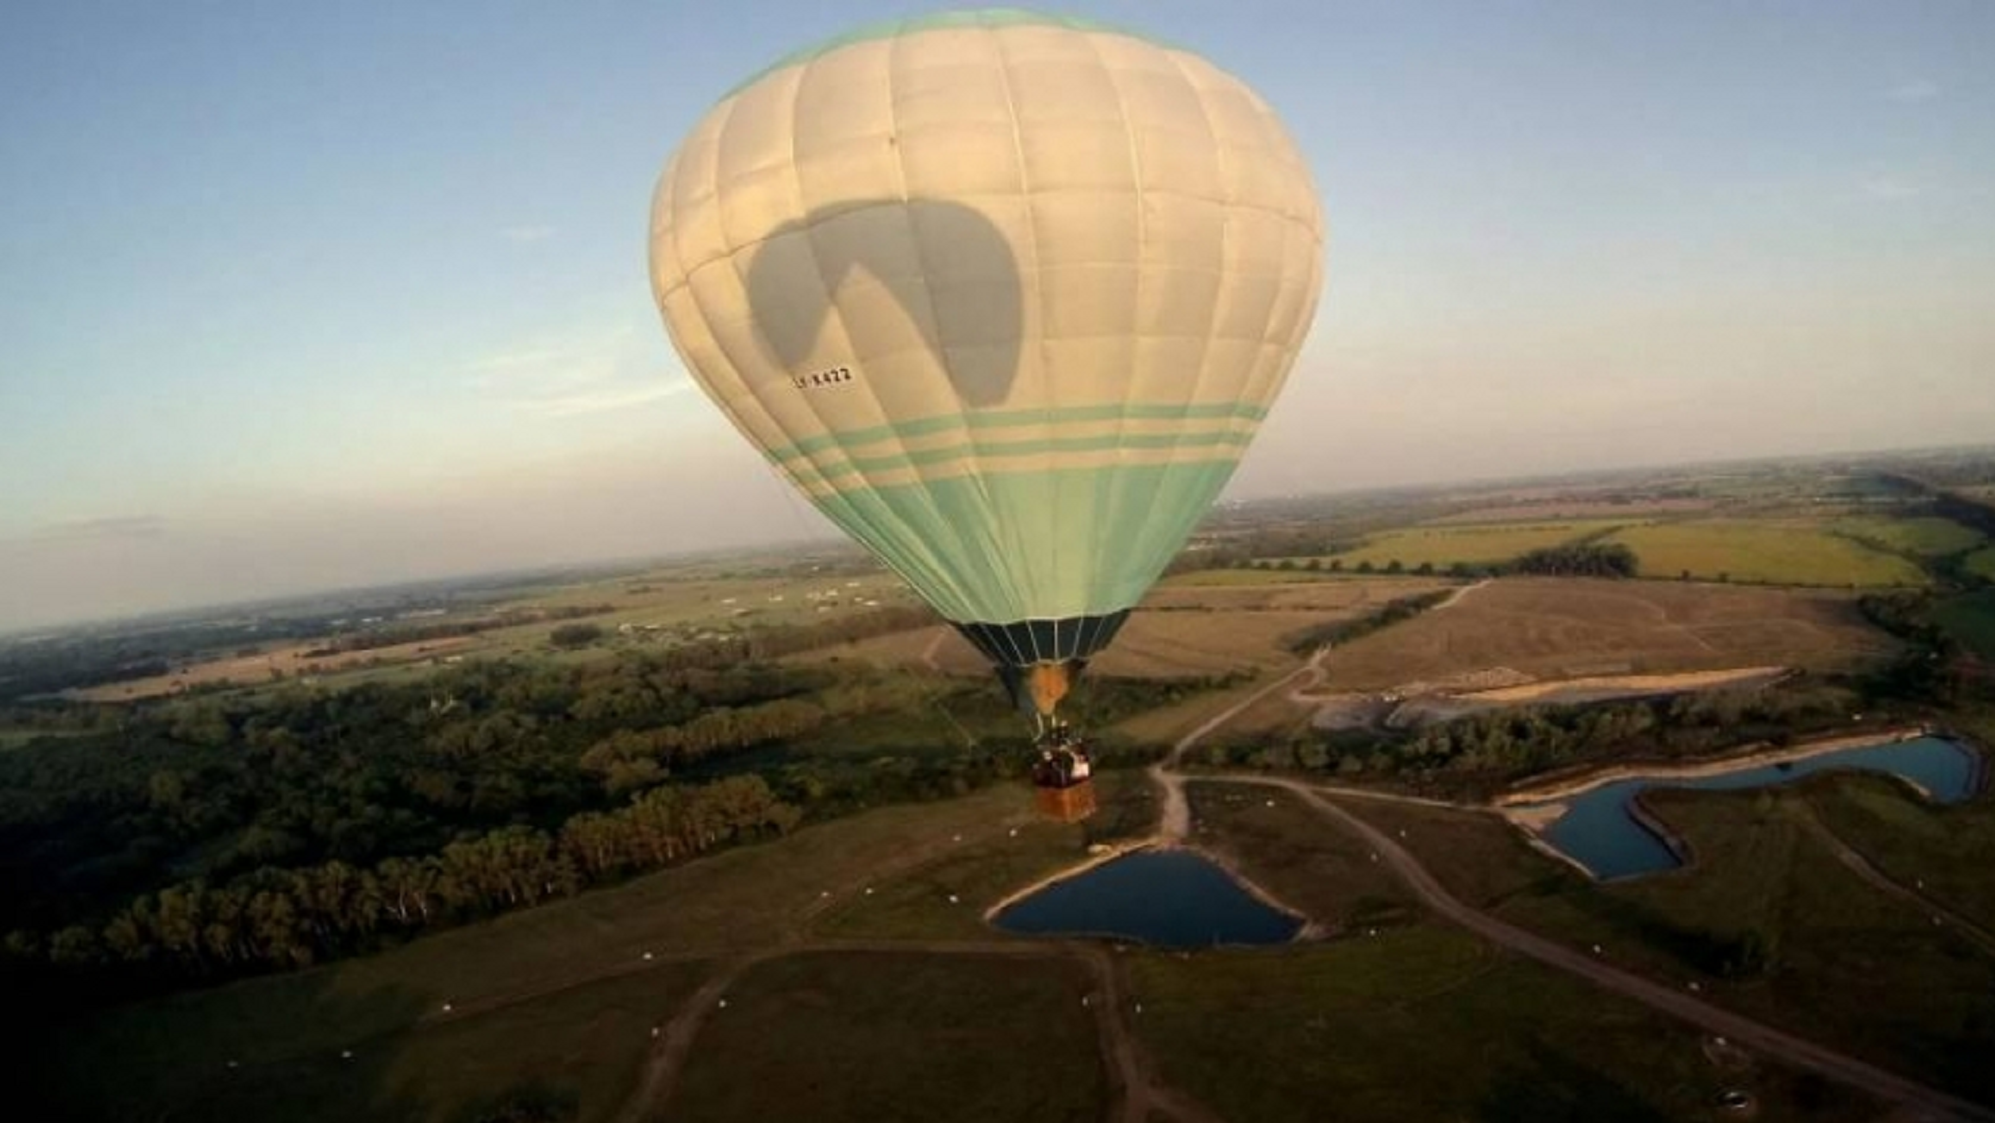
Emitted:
<point x="1180" y="631"/>
<point x="658" y="601"/>
<point x="1562" y="628"/>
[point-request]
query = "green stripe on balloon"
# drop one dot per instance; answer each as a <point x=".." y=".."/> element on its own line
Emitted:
<point x="938" y="533"/>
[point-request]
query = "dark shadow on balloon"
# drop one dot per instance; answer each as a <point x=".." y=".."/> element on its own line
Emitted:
<point x="923" y="251"/>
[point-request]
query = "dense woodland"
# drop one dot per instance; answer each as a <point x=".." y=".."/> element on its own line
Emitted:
<point x="215" y="834"/>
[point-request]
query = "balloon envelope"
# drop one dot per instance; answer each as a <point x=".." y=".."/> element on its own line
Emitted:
<point x="1004" y="295"/>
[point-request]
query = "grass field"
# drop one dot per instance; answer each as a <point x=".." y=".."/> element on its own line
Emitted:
<point x="1947" y="850"/>
<point x="1848" y="963"/>
<point x="1427" y="1023"/>
<point x="1926" y="537"/>
<point x="1553" y="509"/>
<point x="898" y="1037"/>
<point x="947" y="898"/>
<point x="669" y="603"/>
<point x="168" y="1052"/>
<point x="1562" y="628"/>
<point x="1180" y="631"/>
<point x="1284" y="846"/>
<point x="1981" y="563"/>
<point x="1442" y="546"/>
<point x="581" y="1048"/>
<point x="1843" y="962"/>
<point x="1970" y="620"/>
<point x="1763" y="552"/>
<point x="15" y="738"/>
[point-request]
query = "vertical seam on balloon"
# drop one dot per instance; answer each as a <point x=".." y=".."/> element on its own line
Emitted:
<point x="1039" y="275"/>
<point x="902" y="560"/>
<point x="1225" y="236"/>
<point x="986" y="560"/>
<point x="1118" y="478"/>
<point x="785" y="476"/>
<point x="1267" y="387"/>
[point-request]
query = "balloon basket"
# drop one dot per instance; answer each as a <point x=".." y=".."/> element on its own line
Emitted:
<point x="1062" y="778"/>
<point x="1070" y="804"/>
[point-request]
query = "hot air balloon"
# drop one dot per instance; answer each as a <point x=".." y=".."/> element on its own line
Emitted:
<point x="1006" y="295"/>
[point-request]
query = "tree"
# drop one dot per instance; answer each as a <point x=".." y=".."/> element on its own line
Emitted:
<point x="570" y="636"/>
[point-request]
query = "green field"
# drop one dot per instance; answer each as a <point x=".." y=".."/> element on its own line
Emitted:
<point x="1946" y="851"/>
<point x="1798" y="553"/>
<point x="1427" y="1023"/>
<point x="580" y="1049"/>
<point x="1981" y="563"/>
<point x="1970" y="620"/>
<point x="910" y="1037"/>
<point x="1768" y="922"/>
<point x="1443" y="546"/>
<point x="1926" y="537"/>
<point x="947" y="897"/>
<point x="15" y="738"/>
<point x="1284" y="846"/>
<point x="168" y="1053"/>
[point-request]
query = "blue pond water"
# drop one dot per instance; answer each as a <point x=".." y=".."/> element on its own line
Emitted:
<point x="1600" y="831"/>
<point x="1170" y="898"/>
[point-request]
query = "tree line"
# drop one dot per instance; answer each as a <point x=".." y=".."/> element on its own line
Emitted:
<point x="1307" y="640"/>
<point x="1478" y="753"/>
<point x="278" y="919"/>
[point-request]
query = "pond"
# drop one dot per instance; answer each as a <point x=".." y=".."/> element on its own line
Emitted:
<point x="1168" y="898"/>
<point x="1600" y="831"/>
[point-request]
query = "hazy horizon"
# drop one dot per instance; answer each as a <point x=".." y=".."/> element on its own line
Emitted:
<point x="333" y="298"/>
<point x="803" y="526"/>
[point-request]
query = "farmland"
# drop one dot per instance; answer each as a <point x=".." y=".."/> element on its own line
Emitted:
<point x="1556" y="628"/>
<point x="1839" y="959"/>
<point x="649" y="608"/>
<point x="1926" y="537"/>
<point x="1183" y="629"/>
<point x="860" y="977"/>
<point x="1981" y="563"/>
<point x="508" y="976"/>
<point x="1444" y="546"/>
<point x="899" y="1036"/>
<point x="1763" y="552"/>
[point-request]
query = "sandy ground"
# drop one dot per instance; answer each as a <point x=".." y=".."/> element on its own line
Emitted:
<point x="1598" y="688"/>
<point x="1751" y="758"/>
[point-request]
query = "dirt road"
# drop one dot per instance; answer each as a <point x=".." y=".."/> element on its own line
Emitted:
<point x="1174" y="822"/>
<point x="1862" y="867"/>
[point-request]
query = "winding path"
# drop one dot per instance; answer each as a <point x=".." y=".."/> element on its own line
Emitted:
<point x="1137" y="1096"/>
<point x="1867" y="870"/>
<point x="1784" y="1046"/>
<point x="1175" y="825"/>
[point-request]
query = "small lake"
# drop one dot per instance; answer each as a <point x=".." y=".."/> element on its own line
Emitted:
<point x="1599" y="829"/>
<point x="1167" y="898"/>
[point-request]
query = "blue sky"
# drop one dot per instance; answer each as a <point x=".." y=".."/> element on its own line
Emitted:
<point x="295" y="295"/>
